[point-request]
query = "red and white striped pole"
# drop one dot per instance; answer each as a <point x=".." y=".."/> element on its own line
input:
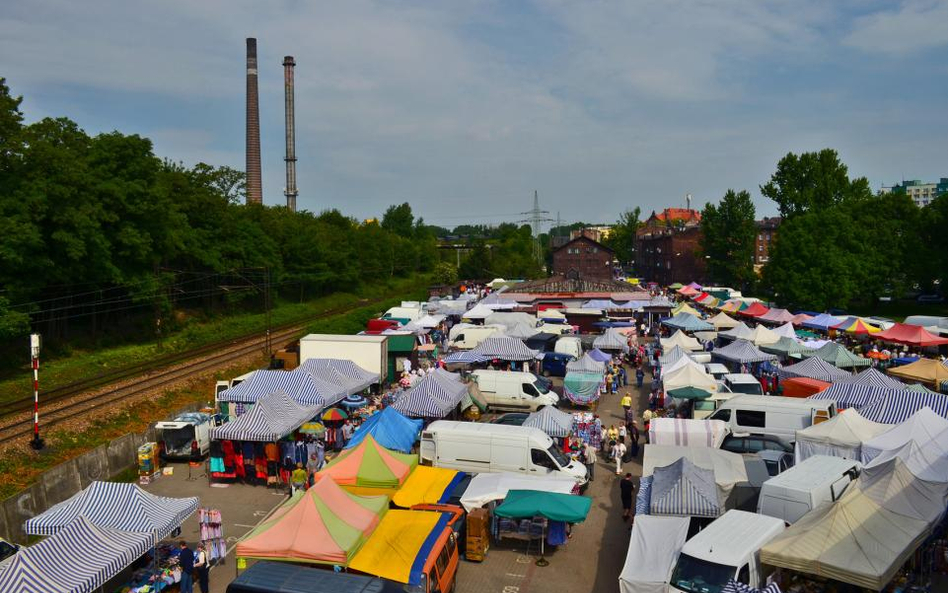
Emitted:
<point x="37" y="442"/>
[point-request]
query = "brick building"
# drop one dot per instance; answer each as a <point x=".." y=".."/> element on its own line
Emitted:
<point x="668" y="245"/>
<point x="766" y="235"/>
<point x="583" y="258"/>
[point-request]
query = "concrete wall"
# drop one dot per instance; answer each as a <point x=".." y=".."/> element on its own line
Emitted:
<point x="59" y="483"/>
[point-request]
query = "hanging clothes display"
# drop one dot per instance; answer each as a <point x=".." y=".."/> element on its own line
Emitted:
<point x="212" y="535"/>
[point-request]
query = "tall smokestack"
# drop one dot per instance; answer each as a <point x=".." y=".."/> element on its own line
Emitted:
<point x="290" y="191"/>
<point x="254" y="183"/>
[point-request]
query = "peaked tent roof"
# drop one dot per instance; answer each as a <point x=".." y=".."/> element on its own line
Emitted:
<point x="299" y="384"/>
<point x="756" y="309"/>
<point x="435" y="396"/>
<point x="786" y="331"/>
<point x="323" y="525"/>
<point x="504" y="348"/>
<point x="856" y="325"/>
<point x="685" y="490"/>
<point x="611" y="339"/>
<point x="814" y="368"/>
<point x="776" y="315"/>
<point x="586" y="364"/>
<point x="599" y="355"/>
<point x="273" y="417"/>
<point x="672" y="356"/>
<point x="689" y="376"/>
<point x="893" y="485"/>
<point x="785" y="347"/>
<point x="742" y="351"/>
<point x="687" y="290"/>
<point x="511" y="320"/>
<point x="82" y="557"/>
<point x="800" y="318"/>
<point x="369" y="465"/>
<point x="838" y="356"/>
<point x="723" y="321"/>
<point x="738" y="332"/>
<point x="898" y="405"/>
<point x="680" y="339"/>
<point x="114" y="505"/>
<point x="823" y="321"/>
<point x="684" y="307"/>
<point x="688" y="322"/>
<point x="522" y="331"/>
<point x="478" y="311"/>
<point x="923" y="369"/>
<point x="390" y="428"/>
<point x="344" y="373"/>
<point x="729" y="468"/>
<point x="926" y="459"/>
<point x="873" y="378"/>
<point x="428" y="485"/>
<point x="840" y="436"/>
<point x="912" y="335"/>
<point x="762" y="335"/>
<point x="680" y="362"/>
<point x="551" y="421"/>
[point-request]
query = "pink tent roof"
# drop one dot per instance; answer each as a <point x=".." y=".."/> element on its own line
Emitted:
<point x="777" y="316"/>
<point x="912" y="335"/>
<point x="800" y="318"/>
<point x="687" y="291"/>
<point x="756" y="309"/>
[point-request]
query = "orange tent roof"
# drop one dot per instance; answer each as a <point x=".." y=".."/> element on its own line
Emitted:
<point x="802" y="386"/>
<point x="369" y="468"/>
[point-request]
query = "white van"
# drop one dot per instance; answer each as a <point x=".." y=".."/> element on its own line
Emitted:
<point x="703" y="408"/>
<point x="188" y="436"/>
<point x="728" y="548"/>
<point x="225" y="385"/>
<point x="773" y="415"/>
<point x="716" y="370"/>
<point x="513" y="390"/>
<point x="569" y="345"/>
<point x="469" y="336"/>
<point x="476" y="447"/>
<point x="743" y="383"/>
<point x="816" y="480"/>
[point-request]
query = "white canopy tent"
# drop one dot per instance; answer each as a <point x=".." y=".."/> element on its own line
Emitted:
<point x="786" y="331"/>
<point x="762" y="335"/>
<point x="679" y="338"/>
<point x="840" y="436"/>
<point x="689" y="376"/>
<point x="487" y="487"/>
<point x="653" y="551"/>
<point x="728" y="467"/>
<point x="682" y="362"/>
<point x="922" y="427"/>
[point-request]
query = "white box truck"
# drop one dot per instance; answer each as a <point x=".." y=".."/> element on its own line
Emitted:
<point x="513" y="390"/>
<point x="476" y="447"/>
<point x="465" y="336"/>
<point x="571" y="345"/>
<point x="817" y="480"/>
<point x="728" y="548"/>
<point x="369" y="352"/>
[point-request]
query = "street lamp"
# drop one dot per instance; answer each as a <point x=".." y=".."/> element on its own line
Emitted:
<point x="35" y="343"/>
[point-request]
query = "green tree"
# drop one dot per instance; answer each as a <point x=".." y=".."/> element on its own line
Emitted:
<point x="445" y="273"/>
<point x="812" y="181"/>
<point x="399" y="220"/>
<point x="727" y="239"/>
<point x="622" y="238"/>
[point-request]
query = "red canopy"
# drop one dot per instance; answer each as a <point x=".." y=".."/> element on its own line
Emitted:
<point x="701" y="297"/>
<point x="755" y="310"/>
<point x="912" y="335"/>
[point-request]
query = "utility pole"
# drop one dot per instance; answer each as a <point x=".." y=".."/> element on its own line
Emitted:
<point x="266" y="300"/>
<point x="35" y="341"/>
<point x="535" y="219"/>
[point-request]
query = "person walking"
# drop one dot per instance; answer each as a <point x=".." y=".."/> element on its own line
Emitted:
<point x="590" y="460"/>
<point x="618" y="452"/>
<point x="202" y="568"/>
<point x="639" y="377"/>
<point x="626" y="492"/>
<point x="186" y="562"/>
<point x="298" y="478"/>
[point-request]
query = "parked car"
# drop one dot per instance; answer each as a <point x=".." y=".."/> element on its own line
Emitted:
<point x="554" y="364"/>
<point x="511" y="419"/>
<point x="754" y="444"/>
<point x="7" y="549"/>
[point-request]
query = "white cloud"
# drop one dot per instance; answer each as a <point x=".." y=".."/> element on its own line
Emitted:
<point x="916" y="25"/>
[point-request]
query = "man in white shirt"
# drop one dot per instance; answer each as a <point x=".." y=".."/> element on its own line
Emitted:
<point x="201" y="568"/>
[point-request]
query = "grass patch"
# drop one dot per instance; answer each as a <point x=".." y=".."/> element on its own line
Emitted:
<point x="85" y="364"/>
<point x="20" y="467"/>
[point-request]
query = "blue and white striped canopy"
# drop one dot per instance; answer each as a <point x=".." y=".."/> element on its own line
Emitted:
<point x="435" y="396"/>
<point x="273" y="417"/>
<point x="672" y="356"/>
<point x="742" y="352"/>
<point x="343" y="373"/>
<point x="736" y="587"/>
<point x="851" y="395"/>
<point x="551" y="421"/>
<point x="504" y="348"/>
<point x="80" y="558"/>
<point x="813" y="368"/>
<point x="643" y="500"/>
<point x="611" y="339"/>
<point x="115" y="506"/>
<point x="684" y="489"/>
<point x="303" y="387"/>
<point x="873" y="378"/>
<point x="464" y="357"/>
<point x="898" y="405"/>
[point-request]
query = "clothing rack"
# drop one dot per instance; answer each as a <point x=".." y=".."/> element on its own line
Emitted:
<point x="212" y="535"/>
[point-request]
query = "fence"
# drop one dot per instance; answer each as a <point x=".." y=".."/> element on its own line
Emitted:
<point x="59" y="483"/>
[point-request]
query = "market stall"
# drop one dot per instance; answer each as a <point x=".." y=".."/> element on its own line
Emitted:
<point x="786" y="331"/>
<point x="776" y="316"/>
<point x="873" y="378"/>
<point x="925" y="370"/>
<point x="682" y="489"/>
<point x="761" y="335"/>
<point x="428" y="485"/>
<point x="390" y="428"/>
<point x="814" y="368"/>
<point x="400" y="545"/>
<point x="653" y="551"/>
<point x="344" y="373"/>
<point x="274" y="416"/>
<point x="689" y="433"/>
<point x="299" y="384"/>
<point x="612" y="339"/>
<point x="504" y="348"/>
<point x="786" y="348"/>
<point x="742" y="352"/>
<point x="688" y="322"/>
<point x="840" y="436"/>
<point x="436" y="395"/>
<point x="738" y="332"/>
<point x="553" y="422"/>
<point x="728" y="468"/>
<point x="368" y="469"/>
<point x="490" y="487"/>
<point x="821" y="322"/>
<point x="838" y="356"/>
<point x="722" y="321"/>
<point x="925" y="428"/>
<point x="681" y="340"/>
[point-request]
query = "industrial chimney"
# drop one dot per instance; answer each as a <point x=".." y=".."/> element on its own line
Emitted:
<point x="254" y="184"/>
<point x="290" y="191"/>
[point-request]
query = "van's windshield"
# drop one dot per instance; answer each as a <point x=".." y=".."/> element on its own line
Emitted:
<point x="750" y="387"/>
<point x="700" y="576"/>
<point x="561" y="459"/>
<point x="541" y="387"/>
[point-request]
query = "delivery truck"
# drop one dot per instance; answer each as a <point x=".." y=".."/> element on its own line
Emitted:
<point x="367" y="351"/>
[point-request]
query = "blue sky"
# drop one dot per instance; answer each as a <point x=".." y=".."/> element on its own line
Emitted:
<point x="464" y="109"/>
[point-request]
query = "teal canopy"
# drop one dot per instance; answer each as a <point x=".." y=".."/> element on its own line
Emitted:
<point x="689" y="392"/>
<point x="554" y="506"/>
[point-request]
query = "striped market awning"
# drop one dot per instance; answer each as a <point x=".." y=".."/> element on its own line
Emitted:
<point x="344" y="373"/>
<point x="899" y="405"/>
<point x="874" y="378"/>
<point x="112" y="505"/>
<point x="299" y="384"/>
<point x="464" y="357"/>
<point x="736" y="587"/>
<point x="814" y="368"/>
<point x="551" y="421"/>
<point x="504" y="348"/>
<point x="684" y="489"/>
<point x="271" y="418"/>
<point x="643" y="500"/>
<point x="435" y="396"/>
<point x="611" y="339"/>
<point x="79" y="558"/>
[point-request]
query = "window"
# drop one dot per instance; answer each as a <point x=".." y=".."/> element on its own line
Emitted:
<point x="751" y="418"/>
<point x="754" y="445"/>
<point x="760" y="237"/>
<point x="760" y="247"/>
<point x="723" y="415"/>
<point x="595" y="250"/>
<point x="529" y="389"/>
<point x="539" y="457"/>
<point x="442" y="561"/>
<point x="744" y="575"/>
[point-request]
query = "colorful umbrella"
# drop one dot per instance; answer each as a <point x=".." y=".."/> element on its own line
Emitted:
<point x="313" y="428"/>
<point x="855" y="325"/>
<point x="354" y="401"/>
<point x="334" y="415"/>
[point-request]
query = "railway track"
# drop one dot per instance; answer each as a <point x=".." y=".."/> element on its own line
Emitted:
<point x="162" y="371"/>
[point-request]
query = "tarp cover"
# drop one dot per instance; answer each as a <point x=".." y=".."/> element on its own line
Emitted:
<point x="552" y="505"/>
<point x="369" y="467"/>
<point x="742" y="352"/>
<point x="582" y="388"/>
<point x="551" y="421"/>
<point x="400" y="545"/>
<point x="115" y="505"/>
<point x="323" y="525"/>
<point x="688" y="433"/>
<point x="78" y="559"/>
<point x="488" y="487"/>
<point x="922" y="427"/>
<point x="390" y="428"/>
<point x="427" y="485"/>
<point x="273" y="417"/>
<point x="840" y="436"/>
<point x="681" y="340"/>
<point x="653" y="552"/>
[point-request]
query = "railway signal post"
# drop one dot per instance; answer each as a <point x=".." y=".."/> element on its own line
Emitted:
<point x="37" y="442"/>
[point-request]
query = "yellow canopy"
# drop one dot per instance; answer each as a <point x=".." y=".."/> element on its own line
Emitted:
<point x="398" y="544"/>
<point x="426" y="485"/>
<point x="684" y="307"/>
<point x="926" y="370"/>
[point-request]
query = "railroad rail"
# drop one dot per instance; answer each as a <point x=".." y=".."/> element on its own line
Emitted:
<point x="158" y="372"/>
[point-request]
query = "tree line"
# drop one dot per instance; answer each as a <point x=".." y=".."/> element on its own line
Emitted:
<point x="838" y="244"/>
<point x="98" y="230"/>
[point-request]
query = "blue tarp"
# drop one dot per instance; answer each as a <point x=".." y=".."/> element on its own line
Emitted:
<point x="823" y="322"/>
<point x="390" y="428"/>
<point x="608" y="324"/>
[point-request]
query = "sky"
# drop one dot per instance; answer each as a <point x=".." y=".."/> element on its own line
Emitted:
<point x="464" y="109"/>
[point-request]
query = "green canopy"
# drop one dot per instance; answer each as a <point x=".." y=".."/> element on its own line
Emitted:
<point x="689" y="392"/>
<point x="838" y="356"/>
<point x="555" y="506"/>
<point x="675" y="286"/>
<point x="804" y="333"/>
<point x="785" y="347"/>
